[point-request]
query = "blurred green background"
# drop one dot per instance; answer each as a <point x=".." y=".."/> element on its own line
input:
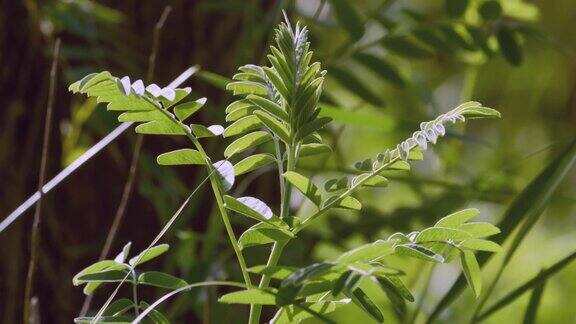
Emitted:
<point x="391" y="64"/>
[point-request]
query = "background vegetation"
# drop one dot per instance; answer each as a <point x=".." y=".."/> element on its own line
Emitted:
<point x="526" y="71"/>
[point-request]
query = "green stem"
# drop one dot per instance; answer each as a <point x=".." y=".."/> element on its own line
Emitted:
<point x="290" y="166"/>
<point x="231" y="235"/>
<point x="278" y="247"/>
<point x="135" y="292"/>
<point x="217" y="195"/>
<point x="348" y="192"/>
<point x="256" y="310"/>
<point x="223" y="212"/>
<point x="280" y="163"/>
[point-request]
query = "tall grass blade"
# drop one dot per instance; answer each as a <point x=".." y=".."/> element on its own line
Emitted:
<point x="530" y="284"/>
<point x="526" y="209"/>
<point x="535" y="299"/>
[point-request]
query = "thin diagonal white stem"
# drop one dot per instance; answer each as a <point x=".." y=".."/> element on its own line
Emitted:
<point x="154" y="241"/>
<point x="89" y="154"/>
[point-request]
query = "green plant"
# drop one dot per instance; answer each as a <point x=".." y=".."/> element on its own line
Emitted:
<point x="280" y="105"/>
<point x="123" y="269"/>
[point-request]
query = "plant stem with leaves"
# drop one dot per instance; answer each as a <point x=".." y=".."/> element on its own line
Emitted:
<point x="217" y="195"/>
<point x="277" y="247"/>
<point x="281" y="104"/>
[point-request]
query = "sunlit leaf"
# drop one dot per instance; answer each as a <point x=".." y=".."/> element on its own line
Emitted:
<point x="273" y="125"/>
<point x="252" y="163"/>
<point x="160" y="128"/>
<point x="247" y="141"/>
<point x="400" y="166"/>
<point x="368" y="252"/>
<point x="458" y="218"/>
<point x="271" y="107"/>
<point x="246" y="88"/>
<point x="253" y="296"/>
<point x="375" y="181"/>
<point x="185" y="110"/>
<point x="256" y="209"/>
<point x="480" y="245"/>
<point x="94" y="268"/>
<point x="314" y="149"/>
<point x="149" y="254"/>
<point x="262" y="233"/>
<point x="312" y="127"/>
<point x="243" y="125"/>
<point x="161" y="279"/>
<point x="419" y="252"/>
<point x="181" y="157"/>
<point x="305" y="186"/>
<point x="471" y="271"/>
<point x="142" y="116"/>
<point x="441" y="234"/>
<point x="201" y="131"/>
<point x="348" y="202"/>
<point x="104" y="276"/>
<point x="478" y="230"/>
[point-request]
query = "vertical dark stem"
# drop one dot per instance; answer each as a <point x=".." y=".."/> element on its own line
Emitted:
<point x="35" y="235"/>
<point x="131" y="180"/>
<point x="127" y="192"/>
<point x="156" y="43"/>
